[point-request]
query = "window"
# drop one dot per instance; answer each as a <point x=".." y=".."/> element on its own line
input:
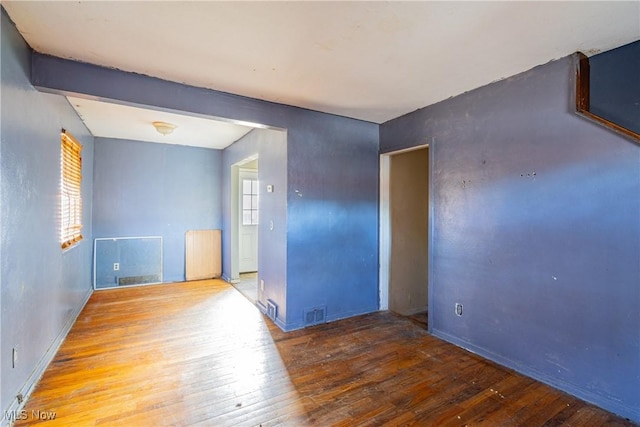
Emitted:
<point x="249" y="202"/>
<point x="70" y="195"/>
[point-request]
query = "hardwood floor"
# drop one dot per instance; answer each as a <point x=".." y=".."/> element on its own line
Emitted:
<point x="419" y="319"/>
<point x="199" y="353"/>
<point x="248" y="286"/>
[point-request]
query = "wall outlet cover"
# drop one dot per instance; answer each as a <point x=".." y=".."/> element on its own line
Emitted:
<point x="458" y="309"/>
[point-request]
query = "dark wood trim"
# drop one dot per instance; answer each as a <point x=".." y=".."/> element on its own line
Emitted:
<point x="582" y="83"/>
<point x="583" y="101"/>
<point x="616" y="128"/>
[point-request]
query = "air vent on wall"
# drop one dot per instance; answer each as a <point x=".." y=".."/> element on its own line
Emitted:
<point x="138" y="280"/>
<point x="315" y="316"/>
<point x="272" y="310"/>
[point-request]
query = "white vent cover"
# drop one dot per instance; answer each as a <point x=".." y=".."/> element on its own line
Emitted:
<point x="272" y="310"/>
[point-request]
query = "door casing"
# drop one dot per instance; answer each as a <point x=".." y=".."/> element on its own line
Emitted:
<point x="385" y="228"/>
<point x="235" y="216"/>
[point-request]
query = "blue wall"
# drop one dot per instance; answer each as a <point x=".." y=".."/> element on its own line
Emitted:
<point x="147" y="189"/>
<point x="332" y="228"/>
<point x="536" y="215"/>
<point x="332" y="245"/>
<point x="271" y="146"/>
<point x="536" y="232"/>
<point x="615" y="86"/>
<point x="42" y="287"/>
<point x="325" y="228"/>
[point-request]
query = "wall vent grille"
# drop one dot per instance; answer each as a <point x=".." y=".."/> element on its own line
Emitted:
<point x="272" y="310"/>
<point x="138" y="280"/>
<point x="315" y="316"/>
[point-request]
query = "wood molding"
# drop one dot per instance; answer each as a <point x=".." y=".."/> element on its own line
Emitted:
<point x="616" y="128"/>
<point x="583" y="100"/>
<point x="582" y="82"/>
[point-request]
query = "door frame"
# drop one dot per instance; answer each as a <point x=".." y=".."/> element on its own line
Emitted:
<point x="242" y="171"/>
<point x="234" y="235"/>
<point x="384" y="234"/>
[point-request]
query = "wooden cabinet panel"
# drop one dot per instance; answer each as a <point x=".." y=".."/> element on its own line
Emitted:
<point x="203" y="252"/>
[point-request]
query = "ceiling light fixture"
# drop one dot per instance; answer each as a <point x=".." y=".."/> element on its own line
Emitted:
<point x="164" y="128"/>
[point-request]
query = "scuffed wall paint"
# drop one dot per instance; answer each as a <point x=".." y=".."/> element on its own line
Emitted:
<point x="536" y="233"/>
<point x="43" y="287"/>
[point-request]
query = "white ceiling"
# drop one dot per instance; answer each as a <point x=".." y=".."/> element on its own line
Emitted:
<point x="126" y="122"/>
<point x="369" y="60"/>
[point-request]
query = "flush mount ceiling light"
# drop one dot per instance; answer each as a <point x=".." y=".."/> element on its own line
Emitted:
<point x="164" y="128"/>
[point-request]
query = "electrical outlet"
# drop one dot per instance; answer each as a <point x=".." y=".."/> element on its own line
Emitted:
<point x="262" y="285"/>
<point x="458" y="309"/>
<point x="116" y="266"/>
<point x="14" y="357"/>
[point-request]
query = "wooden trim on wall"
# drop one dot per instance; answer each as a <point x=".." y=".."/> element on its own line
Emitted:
<point x="583" y="100"/>
<point x="582" y="83"/>
<point x="616" y="128"/>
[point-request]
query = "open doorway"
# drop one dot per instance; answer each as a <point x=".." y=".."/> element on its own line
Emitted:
<point x="404" y="233"/>
<point x="245" y="219"/>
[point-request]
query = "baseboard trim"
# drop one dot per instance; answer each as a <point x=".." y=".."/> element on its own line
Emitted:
<point x="261" y="307"/>
<point x="37" y="373"/>
<point x="280" y="324"/>
<point x="229" y="279"/>
<point x="593" y="398"/>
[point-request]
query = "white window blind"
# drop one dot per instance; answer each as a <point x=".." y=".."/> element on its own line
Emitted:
<point x="70" y="191"/>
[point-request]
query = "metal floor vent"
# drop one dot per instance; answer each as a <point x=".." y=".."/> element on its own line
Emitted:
<point x="272" y="310"/>
<point x="138" y="280"/>
<point x="315" y="316"/>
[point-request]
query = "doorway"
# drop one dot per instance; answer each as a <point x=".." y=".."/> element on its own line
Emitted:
<point x="404" y="232"/>
<point x="245" y="213"/>
<point x="248" y="221"/>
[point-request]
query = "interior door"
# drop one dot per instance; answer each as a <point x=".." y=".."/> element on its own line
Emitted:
<point x="249" y="217"/>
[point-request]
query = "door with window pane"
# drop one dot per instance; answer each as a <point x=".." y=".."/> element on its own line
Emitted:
<point x="249" y="217"/>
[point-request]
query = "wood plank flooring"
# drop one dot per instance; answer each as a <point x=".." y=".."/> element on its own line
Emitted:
<point x="420" y="319"/>
<point x="199" y="353"/>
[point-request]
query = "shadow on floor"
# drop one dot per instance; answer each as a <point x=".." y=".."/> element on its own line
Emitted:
<point x="419" y="319"/>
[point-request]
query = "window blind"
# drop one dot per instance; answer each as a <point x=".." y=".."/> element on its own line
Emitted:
<point x="70" y="191"/>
